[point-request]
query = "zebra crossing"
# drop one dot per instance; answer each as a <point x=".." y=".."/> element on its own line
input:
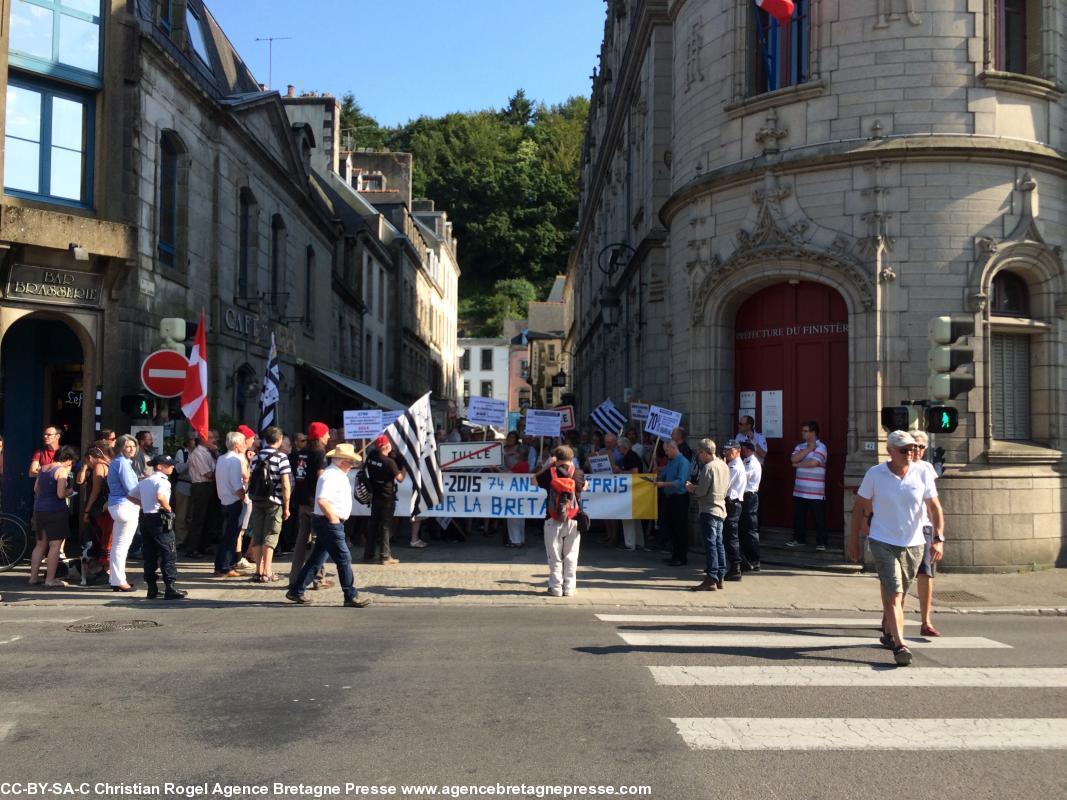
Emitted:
<point x="714" y="638"/>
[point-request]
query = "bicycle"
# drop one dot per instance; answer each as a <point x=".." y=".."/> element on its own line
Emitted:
<point x="15" y="542"/>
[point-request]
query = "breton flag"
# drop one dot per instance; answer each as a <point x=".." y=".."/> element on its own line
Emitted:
<point x="608" y="418"/>
<point x="268" y="398"/>
<point x="415" y="447"/>
<point x="194" y="394"/>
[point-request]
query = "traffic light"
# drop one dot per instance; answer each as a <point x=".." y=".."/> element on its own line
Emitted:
<point x="896" y="418"/>
<point x="942" y="419"/>
<point x="949" y="358"/>
<point x="138" y="406"/>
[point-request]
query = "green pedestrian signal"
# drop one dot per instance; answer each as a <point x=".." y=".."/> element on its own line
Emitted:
<point x="138" y="406"/>
<point x="942" y="419"/>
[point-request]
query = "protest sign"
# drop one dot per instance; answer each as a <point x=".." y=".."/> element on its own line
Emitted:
<point x="661" y="421"/>
<point x="487" y="411"/>
<point x="639" y="411"/>
<point x="389" y="417"/>
<point x="567" y="421"/>
<point x="365" y="424"/>
<point x="470" y="455"/>
<point x="542" y="422"/>
<point x="600" y="464"/>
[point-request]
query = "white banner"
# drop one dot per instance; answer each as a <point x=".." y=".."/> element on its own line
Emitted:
<point x="487" y="411"/>
<point x="542" y="422"/>
<point x="364" y="424"/>
<point x="661" y="421"/>
<point x="506" y="495"/>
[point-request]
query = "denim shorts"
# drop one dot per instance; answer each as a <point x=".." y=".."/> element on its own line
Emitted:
<point x="897" y="566"/>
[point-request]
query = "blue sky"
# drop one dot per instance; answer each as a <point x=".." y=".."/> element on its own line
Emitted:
<point x="408" y="58"/>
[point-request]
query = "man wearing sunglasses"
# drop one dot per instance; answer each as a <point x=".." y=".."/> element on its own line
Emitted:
<point x="43" y="457"/>
<point x="896" y="492"/>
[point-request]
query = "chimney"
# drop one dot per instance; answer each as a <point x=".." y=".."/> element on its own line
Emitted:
<point x="291" y="91"/>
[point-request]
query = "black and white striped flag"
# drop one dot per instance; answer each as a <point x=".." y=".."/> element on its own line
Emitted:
<point x="268" y="398"/>
<point x="608" y="418"/>
<point x="415" y="447"/>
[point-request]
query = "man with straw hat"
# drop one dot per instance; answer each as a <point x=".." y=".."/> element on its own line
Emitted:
<point x="333" y="505"/>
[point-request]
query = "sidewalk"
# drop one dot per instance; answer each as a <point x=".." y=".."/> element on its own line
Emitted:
<point x="482" y="572"/>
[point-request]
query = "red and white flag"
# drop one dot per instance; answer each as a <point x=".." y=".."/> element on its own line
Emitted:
<point x="781" y="10"/>
<point x="194" y="395"/>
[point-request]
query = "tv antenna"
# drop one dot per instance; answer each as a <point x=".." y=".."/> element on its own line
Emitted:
<point x="270" y="40"/>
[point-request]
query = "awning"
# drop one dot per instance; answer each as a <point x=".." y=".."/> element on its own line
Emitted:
<point x="352" y="386"/>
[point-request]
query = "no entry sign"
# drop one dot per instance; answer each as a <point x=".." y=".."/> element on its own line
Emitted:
<point x="163" y="373"/>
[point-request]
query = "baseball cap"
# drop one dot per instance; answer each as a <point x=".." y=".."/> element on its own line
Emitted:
<point x="901" y="439"/>
<point x="162" y="460"/>
<point x="316" y="430"/>
<point x="247" y="432"/>
<point x="381" y="440"/>
<point x="731" y="444"/>
<point x="746" y="444"/>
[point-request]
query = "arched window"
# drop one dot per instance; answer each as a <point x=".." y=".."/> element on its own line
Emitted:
<point x="1009" y="353"/>
<point x="172" y="201"/>
<point x="1009" y="296"/>
<point x="246" y="246"/>
<point x="277" y="263"/>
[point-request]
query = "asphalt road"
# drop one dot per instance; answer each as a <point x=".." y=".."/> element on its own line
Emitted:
<point x="479" y="696"/>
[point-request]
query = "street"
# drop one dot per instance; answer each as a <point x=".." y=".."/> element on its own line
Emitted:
<point x="448" y="696"/>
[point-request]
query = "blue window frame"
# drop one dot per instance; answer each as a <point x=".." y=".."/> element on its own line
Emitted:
<point x="58" y="38"/>
<point x="196" y="35"/>
<point x="166" y="10"/>
<point x="780" y="54"/>
<point x="168" y="201"/>
<point x="48" y="143"/>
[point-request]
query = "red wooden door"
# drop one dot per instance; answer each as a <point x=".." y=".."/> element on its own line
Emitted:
<point x="794" y="338"/>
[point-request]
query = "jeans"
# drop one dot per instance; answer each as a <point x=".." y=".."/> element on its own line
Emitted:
<point x="800" y="513"/>
<point x="196" y="536"/>
<point x="329" y="541"/>
<point x="159" y="548"/>
<point x="731" y="535"/>
<point x="677" y="508"/>
<point x="126" y="516"/>
<point x="711" y="528"/>
<point x="749" y="533"/>
<point x="226" y="555"/>
<point x="376" y="540"/>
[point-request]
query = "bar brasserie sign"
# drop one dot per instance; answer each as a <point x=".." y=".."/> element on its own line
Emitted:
<point x="49" y="285"/>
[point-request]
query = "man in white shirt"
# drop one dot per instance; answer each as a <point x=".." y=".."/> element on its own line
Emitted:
<point x="230" y="485"/>
<point x="749" y="525"/>
<point x="157" y="528"/>
<point x="896" y="493"/>
<point x="735" y="497"/>
<point x="333" y="505"/>
<point x="748" y="433"/>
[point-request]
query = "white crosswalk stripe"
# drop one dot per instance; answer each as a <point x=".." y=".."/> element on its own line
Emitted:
<point x="872" y="675"/>
<point x="705" y="635"/>
<point x="797" y="641"/>
<point x="777" y="733"/>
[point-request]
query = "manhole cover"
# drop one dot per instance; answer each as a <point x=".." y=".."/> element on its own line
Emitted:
<point x="114" y="625"/>
<point x="957" y="596"/>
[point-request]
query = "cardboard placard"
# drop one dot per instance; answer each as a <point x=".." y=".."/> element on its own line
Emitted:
<point x="661" y="421"/>
<point x="567" y="423"/>
<point x="639" y="411"/>
<point x="542" y="422"/>
<point x="487" y="411"/>
<point x="600" y="464"/>
<point x="363" y="424"/>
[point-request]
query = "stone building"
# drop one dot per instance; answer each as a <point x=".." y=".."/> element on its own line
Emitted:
<point x="771" y="215"/>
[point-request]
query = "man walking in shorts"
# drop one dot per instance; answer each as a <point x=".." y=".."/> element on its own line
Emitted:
<point x="896" y="492"/>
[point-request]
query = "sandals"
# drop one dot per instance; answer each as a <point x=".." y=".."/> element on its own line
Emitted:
<point x="887" y="641"/>
<point x="929" y="630"/>
<point x="418" y="544"/>
<point x="272" y="578"/>
<point x="56" y="583"/>
<point x="902" y="655"/>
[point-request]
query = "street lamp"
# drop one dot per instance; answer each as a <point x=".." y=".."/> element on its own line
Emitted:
<point x="610" y="305"/>
<point x="559" y="380"/>
<point x="616" y="256"/>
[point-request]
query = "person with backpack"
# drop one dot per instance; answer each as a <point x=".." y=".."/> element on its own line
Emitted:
<point x="564" y="484"/>
<point x="269" y="489"/>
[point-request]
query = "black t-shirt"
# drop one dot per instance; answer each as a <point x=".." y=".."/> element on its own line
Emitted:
<point x="306" y="465"/>
<point x="631" y="461"/>
<point x="382" y="471"/>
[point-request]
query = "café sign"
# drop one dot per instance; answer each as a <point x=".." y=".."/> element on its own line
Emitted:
<point x="244" y="324"/>
<point x="50" y="285"/>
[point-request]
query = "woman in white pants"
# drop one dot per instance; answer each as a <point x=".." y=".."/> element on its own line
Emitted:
<point x="121" y="481"/>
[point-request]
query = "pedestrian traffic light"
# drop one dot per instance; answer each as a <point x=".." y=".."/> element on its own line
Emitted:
<point x="951" y="361"/>
<point x="942" y="419"/>
<point x="896" y="418"/>
<point x="138" y="406"/>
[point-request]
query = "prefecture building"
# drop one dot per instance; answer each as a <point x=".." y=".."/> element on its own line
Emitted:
<point x="771" y="215"/>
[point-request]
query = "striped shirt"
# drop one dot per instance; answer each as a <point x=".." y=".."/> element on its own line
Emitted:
<point x="278" y="465"/>
<point x="811" y="481"/>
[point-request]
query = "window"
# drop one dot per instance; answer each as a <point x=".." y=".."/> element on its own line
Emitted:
<point x="1010" y="296"/>
<point x="1018" y="36"/>
<point x="368" y="360"/>
<point x="1010" y="357"/>
<point x="381" y="293"/>
<point x="196" y="35"/>
<point x="370" y="292"/>
<point x="551" y="353"/>
<point x="309" y="290"/>
<point x="246" y="245"/>
<point x="487" y="388"/>
<point x="465" y="361"/>
<point x="277" y="263"/>
<point x="779" y="54"/>
<point x="466" y="388"/>
<point x="58" y="38"/>
<point x="46" y="142"/>
<point x="172" y="182"/>
<point x="487" y="358"/>
<point x="166" y="11"/>
<point x="381" y="366"/>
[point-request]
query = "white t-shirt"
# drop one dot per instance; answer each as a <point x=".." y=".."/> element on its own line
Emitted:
<point x="753" y="472"/>
<point x="738" y="480"/>
<point x="149" y="489"/>
<point x="899" y="503"/>
<point x="334" y="487"/>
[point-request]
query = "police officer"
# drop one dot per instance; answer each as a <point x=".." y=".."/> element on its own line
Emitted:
<point x="157" y="528"/>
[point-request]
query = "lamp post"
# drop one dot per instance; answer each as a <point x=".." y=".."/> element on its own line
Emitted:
<point x="609" y="261"/>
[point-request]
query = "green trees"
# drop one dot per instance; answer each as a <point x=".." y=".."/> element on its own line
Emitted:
<point x="509" y="181"/>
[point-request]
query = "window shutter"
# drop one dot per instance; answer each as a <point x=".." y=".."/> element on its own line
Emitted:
<point x="1011" y="386"/>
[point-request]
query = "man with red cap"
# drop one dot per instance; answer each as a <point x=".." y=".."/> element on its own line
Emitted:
<point x="308" y="466"/>
<point x="384" y="475"/>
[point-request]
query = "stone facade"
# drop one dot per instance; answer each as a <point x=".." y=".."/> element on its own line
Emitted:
<point x="905" y="168"/>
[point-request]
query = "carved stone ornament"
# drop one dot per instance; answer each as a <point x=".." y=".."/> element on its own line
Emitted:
<point x="770" y="134"/>
<point x="694" y="69"/>
<point x="777" y="230"/>
<point x="889" y="11"/>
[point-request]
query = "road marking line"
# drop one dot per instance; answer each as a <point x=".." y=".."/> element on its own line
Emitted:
<point x="873" y="675"/>
<point x="5" y="729"/>
<point x="12" y="640"/>
<point x="799" y="622"/>
<point x="43" y="619"/>
<point x="774" y="733"/>
<point x="798" y="641"/>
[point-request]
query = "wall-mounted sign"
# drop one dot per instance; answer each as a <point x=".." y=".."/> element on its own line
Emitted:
<point x="771" y="403"/>
<point x="60" y="286"/>
<point x="245" y="324"/>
